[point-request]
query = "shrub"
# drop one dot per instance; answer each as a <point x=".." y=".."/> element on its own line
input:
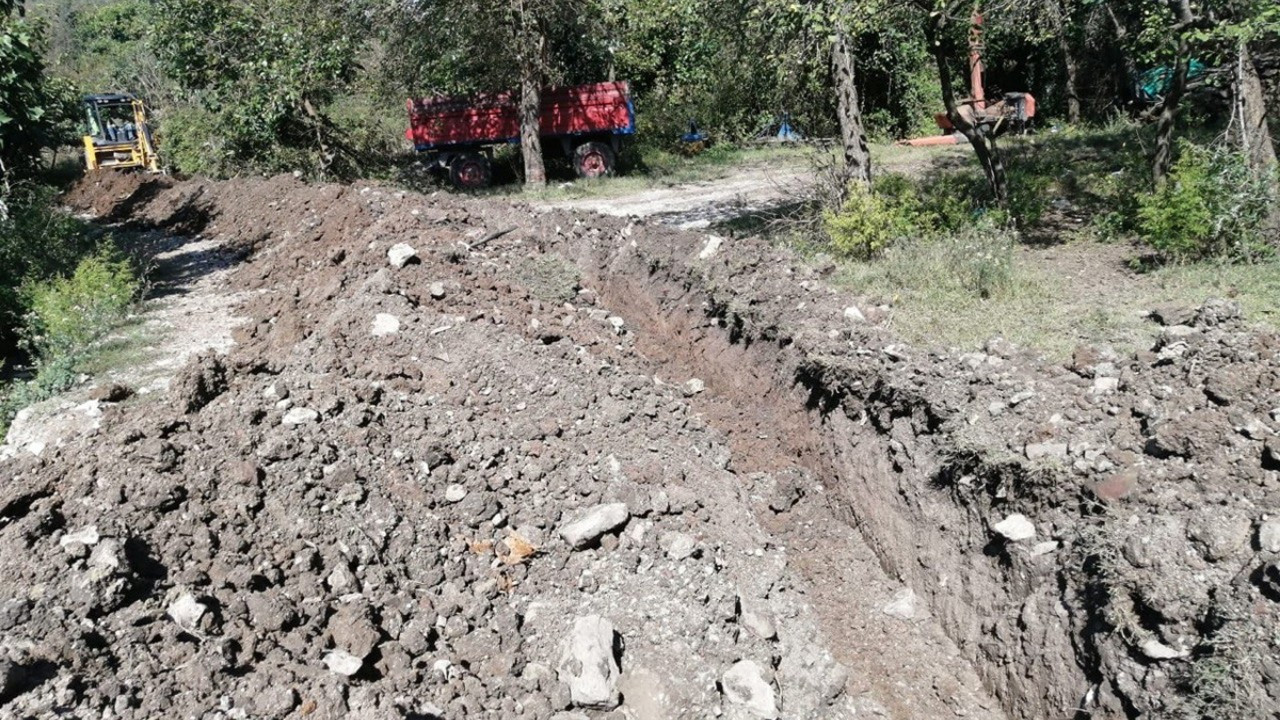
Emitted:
<point x="68" y="313"/>
<point x="1210" y="206"/>
<point x="872" y="219"/>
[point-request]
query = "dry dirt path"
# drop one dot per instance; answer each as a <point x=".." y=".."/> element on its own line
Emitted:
<point x="190" y="308"/>
<point x="744" y="190"/>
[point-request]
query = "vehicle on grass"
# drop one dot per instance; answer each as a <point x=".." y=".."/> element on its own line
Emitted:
<point x="458" y="134"/>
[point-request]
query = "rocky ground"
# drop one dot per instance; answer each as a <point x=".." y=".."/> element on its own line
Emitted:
<point x="469" y="459"/>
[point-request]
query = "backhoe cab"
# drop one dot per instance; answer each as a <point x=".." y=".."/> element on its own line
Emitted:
<point x="119" y="137"/>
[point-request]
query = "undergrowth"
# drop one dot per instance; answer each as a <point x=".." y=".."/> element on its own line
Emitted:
<point x="59" y="298"/>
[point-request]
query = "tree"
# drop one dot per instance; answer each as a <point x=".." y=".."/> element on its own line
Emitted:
<point x="31" y="107"/>
<point x="531" y="50"/>
<point x="853" y="136"/>
<point x="263" y="71"/>
<point x="943" y="17"/>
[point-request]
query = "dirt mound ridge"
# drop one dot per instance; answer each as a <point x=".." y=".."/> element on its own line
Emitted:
<point x="537" y="462"/>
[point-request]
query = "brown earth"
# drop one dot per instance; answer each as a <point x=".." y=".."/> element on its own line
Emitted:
<point x="361" y="509"/>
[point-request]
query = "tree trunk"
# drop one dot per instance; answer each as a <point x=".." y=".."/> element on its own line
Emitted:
<point x="1255" y="136"/>
<point x="1072" y="64"/>
<point x="983" y="143"/>
<point x="853" y="137"/>
<point x="1173" y="101"/>
<point x="532" y="50"/>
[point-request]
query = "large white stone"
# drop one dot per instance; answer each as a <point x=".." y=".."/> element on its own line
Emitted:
<point x="1016" y="527"/>
<point x="587" y="664"/>
<point x="589" y="526"/>
<point x="745" y="685"/>
<point x="384" y="324"/>
<point x="400" y="254"/>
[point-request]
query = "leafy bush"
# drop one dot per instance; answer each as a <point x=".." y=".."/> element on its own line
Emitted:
<point x="68" y="313"/>
<point x="36" y="241"/>
<point x="1210" y="206"/>
<point x="873" y="219"/>
<point x="896" y="207"/>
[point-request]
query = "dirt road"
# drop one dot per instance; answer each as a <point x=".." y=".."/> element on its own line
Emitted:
<point x="743" y="191"/>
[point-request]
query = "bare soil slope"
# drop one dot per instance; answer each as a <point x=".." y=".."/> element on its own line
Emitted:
<point x="588" y="468"/>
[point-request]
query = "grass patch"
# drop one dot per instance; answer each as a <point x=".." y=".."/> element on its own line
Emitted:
<point x="1040" y="310"/>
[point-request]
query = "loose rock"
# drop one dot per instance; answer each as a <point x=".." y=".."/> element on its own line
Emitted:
<point x="744" y="684"/>
<point x="588" y="666"/>
<point x="597" y="521"/>
<point x="401" y="254"/>
<point x="1015" y="528"/>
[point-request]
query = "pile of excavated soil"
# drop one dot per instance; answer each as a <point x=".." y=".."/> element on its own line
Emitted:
<point x="472" y="460"/>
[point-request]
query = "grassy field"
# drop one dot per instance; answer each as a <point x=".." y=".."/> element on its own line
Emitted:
<point x="1077" y="272"/>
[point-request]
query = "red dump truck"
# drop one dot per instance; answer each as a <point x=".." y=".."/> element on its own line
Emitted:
<point x="587" y="123"/>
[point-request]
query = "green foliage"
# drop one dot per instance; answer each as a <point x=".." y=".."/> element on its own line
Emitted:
<point x="36" y="241"/>
<point x="976" y="262"/>
<point x="68" y="313"/>
<point x="1211" y="206"/>
<point x="871" y="219"/>
<point x="32" y="109"/>
<point x="897" y="208"/>
<point x="263" y="72"/>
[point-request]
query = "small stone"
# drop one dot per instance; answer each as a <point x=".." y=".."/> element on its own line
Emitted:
<point x="902" y="606"/>
<point x="437" y="290"/>
<point x="300" y="416"/>
<point x="1038" y="451"/>
<point x="1157" y="650"/>
<point x="587" y="664"/>
<point x="759" y="623"/>
<point x="1044" y="548"/>
<point x="711" y="247"/>
<point x="105" y="560"/>
<point x="186" y="611"/>
<point x="1015" y="528"/>
<point x="1105" y="385"/>
<point x="693" y="386"/>
<point x="854" y="315"/>
<point x="455" y="493"/>
<point x="677" y="545"/>
<point x="87" y="536"/>
<point x="401" y="254"/>
<point x="384" y="324"/>
<point x="1116" y="486"/>
<point x="343" y="663"/>
<point x="744" y="684"/>
<point x="1269" y="536"/>
<point x="618" y="324"/>
<point x="593" y="523"/>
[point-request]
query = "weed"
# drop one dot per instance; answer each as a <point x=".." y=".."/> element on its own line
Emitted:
<point x="1211" y="206"/>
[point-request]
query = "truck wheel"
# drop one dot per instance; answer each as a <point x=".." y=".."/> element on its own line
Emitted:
<point x="470" y="171"/>
<point x="593" y="160"/>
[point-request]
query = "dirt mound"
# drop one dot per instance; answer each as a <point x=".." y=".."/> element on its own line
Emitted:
<point x="426" y="485"/>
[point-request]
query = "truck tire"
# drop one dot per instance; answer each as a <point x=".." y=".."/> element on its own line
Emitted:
<point x="593" y="160"/>
<point x="470" y="171"/>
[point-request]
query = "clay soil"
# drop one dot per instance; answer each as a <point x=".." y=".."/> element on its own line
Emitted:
<point x="364" y="507"/>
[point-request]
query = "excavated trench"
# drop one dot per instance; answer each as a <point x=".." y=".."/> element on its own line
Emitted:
<point x="879" y="473"/>
<point x="859" y="477"/>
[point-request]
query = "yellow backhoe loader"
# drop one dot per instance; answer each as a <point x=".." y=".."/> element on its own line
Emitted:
<point x="119" y="137"/>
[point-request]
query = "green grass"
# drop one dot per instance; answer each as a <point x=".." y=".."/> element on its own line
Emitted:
<point x="1047" y="313"/>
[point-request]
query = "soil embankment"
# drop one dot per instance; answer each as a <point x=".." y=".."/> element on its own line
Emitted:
<point x="540" y="463"/>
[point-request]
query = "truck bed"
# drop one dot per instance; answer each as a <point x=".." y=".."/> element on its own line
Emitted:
<point x="487" y="118"/>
